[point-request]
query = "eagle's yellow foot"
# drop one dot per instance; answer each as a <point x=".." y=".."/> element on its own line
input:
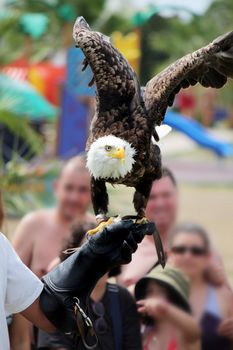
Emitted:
<point x="142" y="220"/>
<point x="100" y="226"/>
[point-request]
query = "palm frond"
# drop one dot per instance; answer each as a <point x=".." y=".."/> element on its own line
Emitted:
<point x="22" y="129"/>
<point x="8" y="19"/>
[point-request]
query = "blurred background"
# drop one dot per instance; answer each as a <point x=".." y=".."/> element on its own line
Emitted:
<point x="46" y="104"/>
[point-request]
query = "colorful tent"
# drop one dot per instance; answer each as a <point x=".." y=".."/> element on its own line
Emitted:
<point x="22" y="99"/>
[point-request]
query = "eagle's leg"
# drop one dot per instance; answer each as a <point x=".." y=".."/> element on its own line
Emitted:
<point x="141" y="196"/>
<point x="143" y="188"/>
<point x="140" y="200"/>
<point x="99" y="196"/>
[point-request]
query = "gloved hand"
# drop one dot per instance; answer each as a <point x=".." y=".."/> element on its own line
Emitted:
<point x="116" y="243"/>
<point x="75" y="278"/>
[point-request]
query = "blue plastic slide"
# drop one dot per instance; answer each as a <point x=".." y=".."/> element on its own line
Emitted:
<point x="198" y="133"/>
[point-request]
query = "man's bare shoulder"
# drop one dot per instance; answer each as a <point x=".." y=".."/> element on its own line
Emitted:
<point x="37" y="217"/>
<point x="27" y="231"/>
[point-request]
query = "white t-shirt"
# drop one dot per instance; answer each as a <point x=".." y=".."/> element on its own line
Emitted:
<point x="19" y="287"/>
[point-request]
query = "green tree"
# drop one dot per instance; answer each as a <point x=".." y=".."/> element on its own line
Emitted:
<point x="17" y="35"/>
<point x="164" y="40"/>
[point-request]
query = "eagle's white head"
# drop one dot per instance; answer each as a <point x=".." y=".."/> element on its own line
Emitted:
<point x="110" y="157"/>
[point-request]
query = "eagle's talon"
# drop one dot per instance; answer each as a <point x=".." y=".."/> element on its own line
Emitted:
<point x="100" y="227"/>
<point x="141" y="220"/>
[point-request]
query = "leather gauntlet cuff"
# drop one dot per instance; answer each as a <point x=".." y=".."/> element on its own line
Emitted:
<point x="70" y="317"/>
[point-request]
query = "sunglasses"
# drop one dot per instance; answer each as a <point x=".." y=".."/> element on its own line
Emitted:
<point x="100" y="325"/>
<point x="194" y="250"/>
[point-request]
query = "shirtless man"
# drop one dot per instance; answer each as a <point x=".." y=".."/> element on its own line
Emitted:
<point x="40" y="234"/>
<point x="162" y="209"/>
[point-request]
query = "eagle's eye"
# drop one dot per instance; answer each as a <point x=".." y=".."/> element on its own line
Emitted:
<point x="108" y="148"/>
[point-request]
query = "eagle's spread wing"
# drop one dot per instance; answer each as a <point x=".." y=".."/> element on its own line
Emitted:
<point x="115" y="79"/>
<point x="210" y="66"/>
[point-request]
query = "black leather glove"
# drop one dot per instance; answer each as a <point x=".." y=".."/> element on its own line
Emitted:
<point x="72" y="281"/>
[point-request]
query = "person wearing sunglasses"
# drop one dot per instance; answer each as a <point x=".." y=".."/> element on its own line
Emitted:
<point x="189" y="250"/>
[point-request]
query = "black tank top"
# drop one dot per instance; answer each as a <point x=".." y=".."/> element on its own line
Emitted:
<point x="209" y="324"/>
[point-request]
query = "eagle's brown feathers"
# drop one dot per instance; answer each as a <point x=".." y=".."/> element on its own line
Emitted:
<point x="122" y="111"/>
<point x="210" y="66"/>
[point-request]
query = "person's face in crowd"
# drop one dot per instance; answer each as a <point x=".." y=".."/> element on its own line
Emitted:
<point x="72" y="191"/>
<point x="162" y="205"/>
<point x="154" y="290"/>
<point x="189" y="253"/>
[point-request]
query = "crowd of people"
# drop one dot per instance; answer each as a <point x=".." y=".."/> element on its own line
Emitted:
<point x="187" y="305"/>
<point x="205" y="107"/>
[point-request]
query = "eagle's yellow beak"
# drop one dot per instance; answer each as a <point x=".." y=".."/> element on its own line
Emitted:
<point x="119" y="153"/>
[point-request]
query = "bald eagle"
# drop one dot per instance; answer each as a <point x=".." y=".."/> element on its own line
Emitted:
<point x="120" y="147"/>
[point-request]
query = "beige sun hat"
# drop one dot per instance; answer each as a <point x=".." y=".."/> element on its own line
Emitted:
<point x="172" y="280"/>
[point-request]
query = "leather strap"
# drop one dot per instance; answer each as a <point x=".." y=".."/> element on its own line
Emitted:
<point x="85" y="326"/>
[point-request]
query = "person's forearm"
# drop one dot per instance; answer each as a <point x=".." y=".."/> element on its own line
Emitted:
<point x="215" y="273"/>
<point x="19" y="333"/>
<point x="35" y="315"/>
<point x="184" y="322"/>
